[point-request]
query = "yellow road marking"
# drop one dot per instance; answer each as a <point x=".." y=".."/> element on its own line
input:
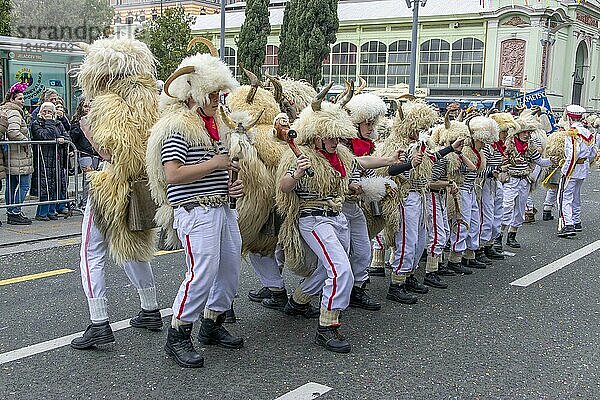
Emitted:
<point x="163" y="252"/>
<point x="35" y="276"/>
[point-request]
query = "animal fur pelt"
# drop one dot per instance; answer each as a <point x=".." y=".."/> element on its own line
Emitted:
<point x="384" y="191"/>
<point x="298" y="93"/>
<point x="327" y="182"/>
<point x="366" y="107"/>
<point x="118" y="76"/>
<point x="258" y="171"/>
<point x="555" y="150"/>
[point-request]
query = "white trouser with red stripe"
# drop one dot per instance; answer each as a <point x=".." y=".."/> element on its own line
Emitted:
<point x="360" y="245"/>
<point x="411" y="238"/>
<point x="462" y="238"/>
<point x="551" y="199"/>
<point x="491" y="211"/>
<point x="516" y="191"/>
<point x="439" y="229"/>
<point x="329" y="239"/>
<point x="377" y="242"/>
<point x="569" y="201"/>
<point x="268" y="268"/>
<point x="212" y="244"/>
<point x="93" y="256"/>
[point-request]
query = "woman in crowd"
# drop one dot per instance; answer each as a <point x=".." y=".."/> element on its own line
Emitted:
<point x="51" y="181"/>
<point x="18" y="157"/>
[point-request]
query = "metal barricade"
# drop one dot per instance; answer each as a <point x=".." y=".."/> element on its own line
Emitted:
<point x="49" y="156"/>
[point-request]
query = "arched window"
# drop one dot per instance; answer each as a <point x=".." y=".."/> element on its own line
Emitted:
<point x="340" y="65"/>
<point x="372" y="63"/>
<point x="271" y="64"/>
<point x="434" y="63"/>
<point x="398" y="62"/>
<point x="467" y="63"/>
<point x="230" y="59"/>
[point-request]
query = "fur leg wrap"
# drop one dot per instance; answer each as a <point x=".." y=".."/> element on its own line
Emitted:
<point x="469" y="254"/>
<point x="98" y="310"/>
<point x="210" y="314"/>
<point x="148" y="299"/>
<point x="329" y="317"/>
<point x="398" y="279"/>
<point x="378" y="259"/>
<point x="432" y="264"/>
<point x="455" y="257"/>
<point x="300" y="297"/>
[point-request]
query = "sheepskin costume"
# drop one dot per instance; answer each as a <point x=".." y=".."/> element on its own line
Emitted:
<point x="366" y="107"/>
<point x="528" y="123"/>
<point x="258" y="169"/>
<point x="412" y="118"/>
<point x="505" y="121"/>
<point x="297" y="95"/>
<point x="118" y="75"/>
<point x="196" y="77"/>
<point x="329" y="121"/>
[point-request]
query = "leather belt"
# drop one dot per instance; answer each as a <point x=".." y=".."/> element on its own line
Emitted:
<point x="581" y="161"/>
<point x="190" y="206"/>
<point x="319" y="213"/>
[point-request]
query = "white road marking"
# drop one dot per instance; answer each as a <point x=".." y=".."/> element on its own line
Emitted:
<point x="308" y="391"/>
<point x="556" y="265"/>
<point x="509" y="254"/>
<point x="62" y="341"/>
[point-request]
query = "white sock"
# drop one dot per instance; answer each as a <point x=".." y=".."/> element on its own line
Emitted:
<point x="98" y="310"/>
<point x="148" y="299"/>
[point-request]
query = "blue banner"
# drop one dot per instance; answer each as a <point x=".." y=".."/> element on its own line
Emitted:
<point x="538" y="98"/>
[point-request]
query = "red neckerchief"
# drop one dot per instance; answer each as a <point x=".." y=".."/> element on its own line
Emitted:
<point x="362" y="147"/>
<point x="500" y="147"/>
<point x="478" y="163"/>
<point x="335" y="162"/>
<point x="211" y="127"/>
<point x="521" y="146"/>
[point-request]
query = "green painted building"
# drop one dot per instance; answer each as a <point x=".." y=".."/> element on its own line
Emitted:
<point x="468" y="49"/>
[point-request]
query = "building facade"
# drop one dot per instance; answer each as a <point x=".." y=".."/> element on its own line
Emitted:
<point x="468" y="48"/>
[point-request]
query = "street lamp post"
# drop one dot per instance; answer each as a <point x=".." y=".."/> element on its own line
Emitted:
<point x="412" y="83"/>
<point x="222" y="47"/>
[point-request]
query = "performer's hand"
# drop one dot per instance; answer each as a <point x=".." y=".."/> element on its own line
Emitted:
<point x="458" y="144"/>
<point x="495" y="174"/>
<point x="221" y="162"/>
<point x="302" y="164"/>
<point x="555" y="160"/>
<point x="417" y="159"/>
<point x="400" y="155"/>
<point x="355" y="188"/>
<point x="60" y="140"/>
<point x="236" y="189"/>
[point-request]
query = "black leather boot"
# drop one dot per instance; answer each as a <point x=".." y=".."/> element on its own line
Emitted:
<point x="498" y="244"/>
<point x="473" y="263"/>
<point x="180" y="347"/>
<point x="212" y="332"/>
<point x="306" y="310"/>
<point x="413" y="285"/>
<point x="481" y="257"/>
<point x="566" y="231"/>
<point x="547" y="215"/>
<point x="229" y="316"/>
<point x="491" y="253"/>
<point x="376" y="271"/>
<point x="94" y="335"/>
<point x="360" y="299"/>
<point x="433" y="279"/>
<point x="443" y="270"/>
<point x="511" y="240"/>
<point x="458" y="268"/>
<point x="259" y="295"/>
<point x="399" y="294"/>
<point x="147" y="319"/>
<point x="330" y="338"/>
<point x="277" y="301"/>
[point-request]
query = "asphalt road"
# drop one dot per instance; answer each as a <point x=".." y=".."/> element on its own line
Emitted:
<point x="480" y="339"/>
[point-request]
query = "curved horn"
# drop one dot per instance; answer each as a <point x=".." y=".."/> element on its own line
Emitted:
<point x="255" y="83"/>
<point x="277" y="88"/>
<point x="408" y="97"/>
<point x="83" y="46"/>
<point x="253" y="123"/>
<point x="349" y="94"/>
<point x="341" y="95"/>
<point x="316" y="103"/>
<point x="362" y="86"/>
<point x="227" y="119"/>
<point x="199" y="39"/>
<point x="181" y="71"/>
<point x="447" y="120"/>
<point x="461" y="116"/>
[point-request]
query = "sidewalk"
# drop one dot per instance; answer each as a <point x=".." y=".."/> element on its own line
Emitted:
<point x="38" y="230"/>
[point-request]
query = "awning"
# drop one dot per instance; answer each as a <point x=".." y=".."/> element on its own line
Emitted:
<point x="479" y="102"/>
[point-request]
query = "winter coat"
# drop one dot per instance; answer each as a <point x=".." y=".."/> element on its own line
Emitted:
<point x="19" y="155"/>
<point x="49" y="178"/>
<point x="64" y="120"/>
<point x="80" y="141"/>
<point x="3" y="127"/>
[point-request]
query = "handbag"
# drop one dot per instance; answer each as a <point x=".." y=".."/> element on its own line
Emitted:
<point x="142" y="207"/>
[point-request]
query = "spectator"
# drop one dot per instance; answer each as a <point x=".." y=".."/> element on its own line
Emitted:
<point x="18" y="157"/>
<point x="64" y="154"/>
<point x="88" y="158"/>
<point x="51" y="96"/>
<point x="46" y="127"/>
<point x="3" y="127"/>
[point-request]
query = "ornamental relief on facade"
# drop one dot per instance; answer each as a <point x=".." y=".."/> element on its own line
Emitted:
<point x="516" y="21"/>
<point x="512" y="60"/>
